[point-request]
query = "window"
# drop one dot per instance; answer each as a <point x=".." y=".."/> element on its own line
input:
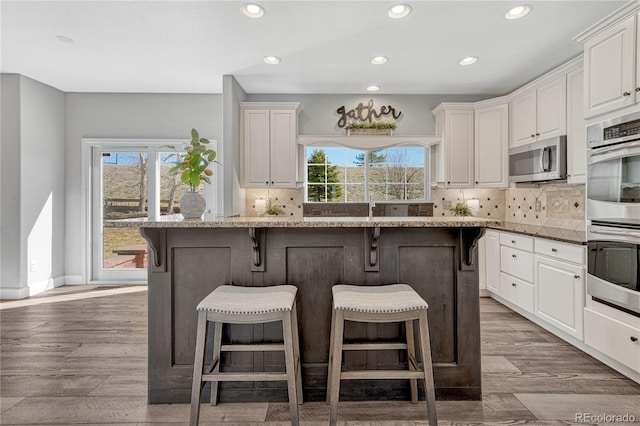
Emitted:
<point x="340" y="174"/>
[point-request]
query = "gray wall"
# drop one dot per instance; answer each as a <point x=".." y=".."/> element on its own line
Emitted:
<point x="142" y="116"/>
<point x="33" y="157"/>
<point x="233" y="94"/>
<point x="318" y="114"/>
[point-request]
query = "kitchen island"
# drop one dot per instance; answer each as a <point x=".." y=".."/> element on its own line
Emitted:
<point x="189" y="259"/>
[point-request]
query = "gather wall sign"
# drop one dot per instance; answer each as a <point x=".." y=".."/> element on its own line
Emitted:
<point x="365" y="113"/>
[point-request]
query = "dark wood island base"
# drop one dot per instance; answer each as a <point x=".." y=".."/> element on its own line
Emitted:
<point x="437" y="259"/>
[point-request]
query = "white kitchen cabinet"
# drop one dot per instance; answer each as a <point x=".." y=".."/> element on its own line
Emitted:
<point x="517" y="291"/>
<point x="539" y="113"/>
<point x="491" y="146"/>
<point x="516" y="270"/>
<point x="454" y="124"/>
<point x="268" y="134"/>
<point x="559" y="293"/>
<point x="610" y="58"/>
<point x="576" y="128"/>
<point x="492" y="260"/>
<point x="614" y="338"/>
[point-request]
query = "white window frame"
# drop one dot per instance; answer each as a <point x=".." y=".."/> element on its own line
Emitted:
<point x="92" y="150"/>
<point x="426" y="181"/>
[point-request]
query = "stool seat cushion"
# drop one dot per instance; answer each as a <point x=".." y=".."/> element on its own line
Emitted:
<point x="229" y="299"/>
<point x="377" y="299"/>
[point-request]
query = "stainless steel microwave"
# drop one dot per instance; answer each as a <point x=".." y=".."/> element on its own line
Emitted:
<point x="539" y="161"/>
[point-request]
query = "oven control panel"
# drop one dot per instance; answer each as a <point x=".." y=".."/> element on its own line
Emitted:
<point x="622" y="130"/>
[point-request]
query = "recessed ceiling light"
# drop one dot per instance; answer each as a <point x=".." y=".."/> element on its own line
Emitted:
<point x="253" y="10"/>
<point x="379" y="60"/>
<point x="271" y="60"/>
<point x="373" y="88"/>
<point x="399" y="11"/>
<point x="517" y="12"/>
<point x="468" y="61"/>
<point x="65" y="39"/>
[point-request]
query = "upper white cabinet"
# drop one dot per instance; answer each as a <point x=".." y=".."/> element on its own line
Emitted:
<point x="491" y="146"/>
<point x="268" y="134"/>
<point x="610" y="73"/>
<point x="576" y="129"/>
<point x="454" y="124"/>
<point x="539" y="112"/>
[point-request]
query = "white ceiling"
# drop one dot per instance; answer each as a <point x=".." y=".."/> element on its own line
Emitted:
<point x="325" y="46"/>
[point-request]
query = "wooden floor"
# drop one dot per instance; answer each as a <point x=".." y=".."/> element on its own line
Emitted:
<point x="78" y="355"/>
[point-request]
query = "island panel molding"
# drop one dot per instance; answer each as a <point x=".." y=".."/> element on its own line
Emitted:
<point x="438" y="262"/>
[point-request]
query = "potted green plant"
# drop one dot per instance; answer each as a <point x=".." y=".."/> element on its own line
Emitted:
<point x="193" y="167"/>
<point x="461" y="209"/>
<point x="273" y="209"/>
<point x="373" y="128"/>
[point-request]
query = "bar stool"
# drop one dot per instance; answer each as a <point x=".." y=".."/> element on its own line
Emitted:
<point x="247" y="305"/>
<point x="380" y="304"/>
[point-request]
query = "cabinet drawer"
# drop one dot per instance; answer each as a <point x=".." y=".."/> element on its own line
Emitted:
<point x="517" y="263"/>
<point x="613" y="338"/>
<point x="561" y="251"/>
<point x="516" y="241"/>
<point x="517" y="291"/>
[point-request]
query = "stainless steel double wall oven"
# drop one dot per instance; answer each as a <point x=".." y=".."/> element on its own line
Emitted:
<point x="613" y="213"/>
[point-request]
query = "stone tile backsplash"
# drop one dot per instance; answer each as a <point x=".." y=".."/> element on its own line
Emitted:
<point x="290" y="200"/>
<point x="554" y="205"/>
<point x="490" y="202"/>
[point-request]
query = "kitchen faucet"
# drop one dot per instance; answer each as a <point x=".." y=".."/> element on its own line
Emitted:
<point x="372" y="204"/>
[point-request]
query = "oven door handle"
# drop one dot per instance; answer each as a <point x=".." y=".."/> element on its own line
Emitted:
<point x="606" y="231"/>
<point x="613" y="152"/>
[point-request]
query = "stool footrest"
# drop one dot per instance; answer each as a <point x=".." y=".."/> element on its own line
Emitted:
<point x="373" y="346"/>
<point x="253" y="347"/>
<point x="245" y="377"/>
<point x="381" y="374"/>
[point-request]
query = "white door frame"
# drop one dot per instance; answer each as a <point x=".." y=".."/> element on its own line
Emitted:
<point x="91" y="154"/>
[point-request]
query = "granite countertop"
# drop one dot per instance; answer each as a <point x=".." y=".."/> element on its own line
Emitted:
<point x="557" y="234"/>
<point x="176" y="221"/>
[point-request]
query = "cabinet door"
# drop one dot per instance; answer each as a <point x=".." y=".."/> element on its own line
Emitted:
<point x="576" y="129"/>
<point x="283" y="149"/>
<point x="492" y="147"/>
<point x="459" y="140"/>
<point x="609" y="59"/>
<point x="256" y="147"/>
<point x="613" y="338"/>
<point x="492" y="261"/>
<point x="523" y="119"/>
<point x="552" y="109"/>
<point x="559" y="294"/>
<point x="517" y="291"/>
<point x="517" y="263"/>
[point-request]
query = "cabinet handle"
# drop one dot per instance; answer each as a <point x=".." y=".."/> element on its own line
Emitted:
<point x="476" y="182"/>
<point x="555" y="250"/>
<point x="637" y="89"/>
<point x="513" y="284"/>
<point x="626" y="94"/>
<point x="576" y="276"/>
<point x="533" y="136"/>
<point x="513" y="241"/>
<point x="448" y="183"/>
<point x="633" y="339"/>
<point x="537" y="134"/>
<point x="266" y="182"/>
<point x="513" y="255"/>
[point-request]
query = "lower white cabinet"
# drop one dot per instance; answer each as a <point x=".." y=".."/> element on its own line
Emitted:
<point x="517" y="291"/>
<point x="492" y="260"/>
<point x="613" y="338"/>
<point x="559" y="294"/>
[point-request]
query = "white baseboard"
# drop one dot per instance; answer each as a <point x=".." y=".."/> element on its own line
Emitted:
<point x="13" y="293"/>
<point x="73" y="280"/>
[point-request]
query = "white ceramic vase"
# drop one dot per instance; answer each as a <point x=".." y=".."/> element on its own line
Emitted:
<point x="192" y="205"/>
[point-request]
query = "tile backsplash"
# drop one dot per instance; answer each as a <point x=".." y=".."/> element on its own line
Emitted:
<point x="290" y="200"/>
<point x="554" y="205"/>
<point x="490" y="202"/>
